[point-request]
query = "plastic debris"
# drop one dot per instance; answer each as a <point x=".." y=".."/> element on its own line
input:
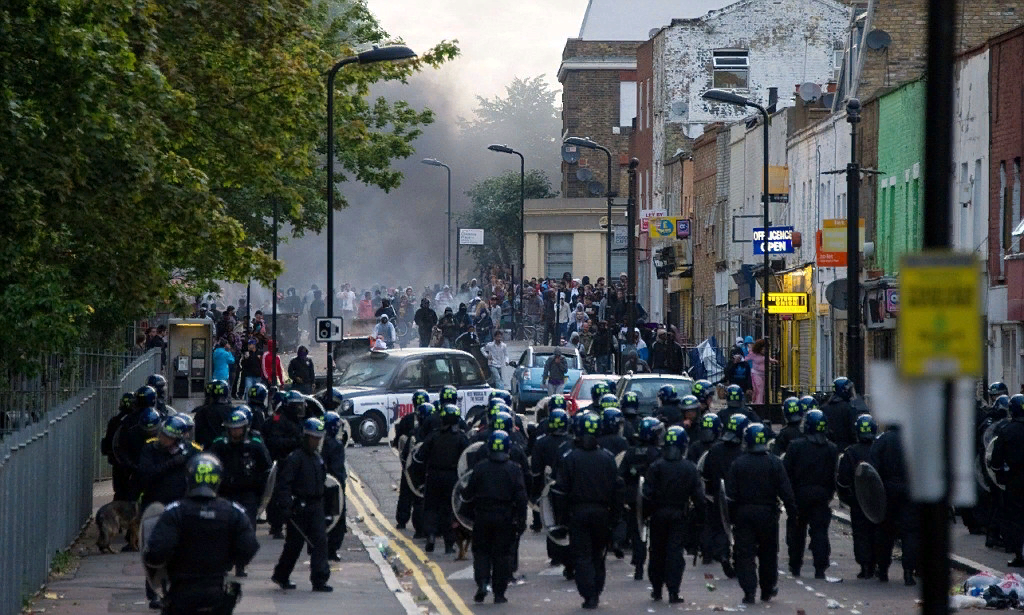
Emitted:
<point x="833" y="604"/>
<point x="710" y="587"/>
<point x="960" y="601"/>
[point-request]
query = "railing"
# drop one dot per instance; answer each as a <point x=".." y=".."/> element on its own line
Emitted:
<point x="49" y="458"/>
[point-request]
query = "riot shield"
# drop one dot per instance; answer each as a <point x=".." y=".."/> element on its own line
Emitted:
<point x="990" y="447"/>
<point x="156" y="575"/>
<point x="723" y="509"/>
<point x="334" y="501"/>
<point x="314" y="409"/>
<point x="400" y="449"/>
<point x="458" y="504"/>
<point x="468" y="454"/>
<point x="619" y="458"/>
<point x="641" y="523"/>
<point x="415" y="473"/>
<point x="268" y="490"/>
<point x="345" y="433"/>
<point x="700" y="463"/>
<point x="870" y="492"/>
<point x="979" y="473"/>
<point x="557" y="533"/>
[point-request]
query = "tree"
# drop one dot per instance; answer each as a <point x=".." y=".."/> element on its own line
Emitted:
<point x="526" y="119"/>
<point x="495" y="208"/>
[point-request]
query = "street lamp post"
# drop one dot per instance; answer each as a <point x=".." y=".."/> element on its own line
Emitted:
<point x="729" y="98"/>
<point x="504" y="149"/>
<point x="854" y="339"/>
<point x="370" y="56"/>
<point x="448" y="244"/>
<point x="590" y="144"/>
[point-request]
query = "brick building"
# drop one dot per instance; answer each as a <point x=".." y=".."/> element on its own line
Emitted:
<point x="708" y="230"/>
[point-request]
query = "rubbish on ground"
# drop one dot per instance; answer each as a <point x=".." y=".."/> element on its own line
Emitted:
<point x="833" y="604"/>
<point x="960" y="601"/>
<point x="998" y="593"/>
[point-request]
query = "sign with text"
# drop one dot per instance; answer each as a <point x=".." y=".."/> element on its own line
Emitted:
<point x="669" y="227"/>
<point x="471" y="236"/>
<point x="620" y="238"/>
<point x="780" y="240"/>
<point x="785" y="303"/>
<point x="830" y="243"/>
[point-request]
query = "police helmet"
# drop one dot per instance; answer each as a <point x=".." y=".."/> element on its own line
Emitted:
<point x="296" y="402"/>
<point x="504" y="396"/>
<point x="587" y="424"/>
<point x="792" y="411"/>
<point x="612" y="420"/>
<point x="734" y="396"/>
<point x="703" y="389"/>
<point x="690" y="402"/>
<point x="557" y="402"/>
<point x="450" y="414"/>
<point x="238" y="418"/>
<point x="221" y="393"/>
<point x="174" y="427"/>
<point x="424" y="410"/>
<point x="149" y="420"/>
<point x="807" y="402"/>
<point x="843" y="388"/>
<point x="1002" y="403"/>
<point x="419" y="398"/>
<point x="497" y="408"/>
<point x="755" y="438"/>
<point x="332" y="424"/>
<point x="710" y="427"/>
<point x="558" y="421"/>
<point x="675" y="442"/>
<point x="607" y="401"/>
<point x="866" y="428"/>
<point x="732" y="431"/>
<point x="280" y="397"/>
<point x="498" y="445"/>
<point x="998" y="388"/>
<point x="1016" y="407"/>
<point x="190" y="425"/>
<point x="145" y="397"/>
<point x="599" y="390"/>
<point x="159" y="384"/>
<point x="814" y="423"/>
<point x="650" y="430"/>
<point x="258" y="394"/>
<point x="209" y="389"/>
<point x="503" y="421"/>
<point x="449" y="395"/>
<point x="667" y="394"/>
<point x="630" y="403"/>
<point x="314" y="427"/>
<point x="204" y="475"/>
<point x="127" y="402"/>
<point x="494" y="402"/>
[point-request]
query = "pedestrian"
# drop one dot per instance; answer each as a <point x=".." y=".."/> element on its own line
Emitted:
<point x="198" y="538"/>
<point x="590" y="491"/>
<point x="556" y="369"/>
<point x="223" y="359"/>
<point x="333" y="453"/>
<point x="864" y="531"/>
<point x="301" y="372"/>
<point x="901" y="516"/>
<point x="755" y="482"/>
<point x="757" y="360"/>
<point x="738" y="372"/>
<point x="426" y="320"/>
<point x="810" y="463"/>
<point x="496" y="352"/>
<point x="497" y="496"/>
<point x="602" y="348"/>
<point x="449" y="328"/>
<point x="440" y="454"/>
<point x="365" y="309"/>
<point x="666" y="354"/>
<point x="245" y="465"/>
<point x="252" y="370"/>
<point x="317" y="309"/>
<point x="300" y="492"/>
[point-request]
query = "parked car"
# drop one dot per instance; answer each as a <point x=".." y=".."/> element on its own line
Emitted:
<point x="579" y="397"/>
<point x="647" y="385"/>
<point x="527" y="380"/>
<point x="376" y="388"/>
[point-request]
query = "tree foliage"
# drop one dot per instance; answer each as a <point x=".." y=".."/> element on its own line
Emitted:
<point x="145" y="142"/>
<point x="495" y="205"/>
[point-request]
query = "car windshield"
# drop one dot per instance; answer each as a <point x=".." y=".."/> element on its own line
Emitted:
<point x="368" y="372"/>
<point x="647" y="388"/>
<point x="585" y="386"/>
<point x="539" y="360"/>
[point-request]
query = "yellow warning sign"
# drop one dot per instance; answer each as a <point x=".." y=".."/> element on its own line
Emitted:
<point x="940" y="315"/>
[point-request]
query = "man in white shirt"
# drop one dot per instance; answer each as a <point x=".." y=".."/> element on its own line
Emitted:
<point x="348" y="303"/>
<point x="497" y="356"/>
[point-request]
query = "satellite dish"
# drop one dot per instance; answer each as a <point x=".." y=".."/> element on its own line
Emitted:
<point x="584" y="174"/>
<point x="653" y="32"/>
<point x="595" y="187"/>
<point x="680" y="107"/>
<point x="809" y="91"/>
<point x="570" y="153"/>
<point x="878" y="39"/>
<point x="827" y="100"/>
<point x="835" y="294"/>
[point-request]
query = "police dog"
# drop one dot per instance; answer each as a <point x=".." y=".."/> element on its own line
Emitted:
<point x="463" y="540"/>
<point x="116" y="517"/>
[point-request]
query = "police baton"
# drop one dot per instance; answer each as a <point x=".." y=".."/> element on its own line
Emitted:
<point x="295" y="525"/>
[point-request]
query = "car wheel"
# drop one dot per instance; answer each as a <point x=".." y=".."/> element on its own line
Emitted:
<point x="371" y="429"/>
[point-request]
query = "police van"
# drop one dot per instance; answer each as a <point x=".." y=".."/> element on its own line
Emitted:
<point x="376" y="388"/>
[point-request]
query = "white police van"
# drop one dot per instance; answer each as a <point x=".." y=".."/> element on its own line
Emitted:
<point x="376" y="388"/>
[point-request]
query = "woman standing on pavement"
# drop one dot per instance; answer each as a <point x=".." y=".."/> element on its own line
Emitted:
<point x="757" y="359"/>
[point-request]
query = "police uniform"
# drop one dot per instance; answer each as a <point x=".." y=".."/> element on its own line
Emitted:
<point x="409" y="506"/>
<point x="715" y="542"/>
<point x="811" y="467"/>
<point x="634" y="465"/>
<point x="440" y="454"/>
<point x="787" y="435"/>
<point x="246" y="468"/>
<point x="333" y="454"/>
<point x="1008" y="461"/>
<point x="613" y="443"/>
<point x="282" y="435"/>
<point x="841" y="414"/>
<point x="863" y="529"/>
<point x="210" y="422"/>
<point x="900" y="514"/>
<point x="300" y="491"/>
<point x="547" y="455"/>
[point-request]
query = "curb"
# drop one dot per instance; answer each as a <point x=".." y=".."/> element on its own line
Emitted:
<point x="958" y="562"/>
<point x="390" y="579"/>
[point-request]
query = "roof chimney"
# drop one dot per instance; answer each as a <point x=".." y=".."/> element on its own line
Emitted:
<point x="773" y="99"/>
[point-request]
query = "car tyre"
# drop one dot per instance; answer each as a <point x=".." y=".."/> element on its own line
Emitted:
<point x="371" y="429"/>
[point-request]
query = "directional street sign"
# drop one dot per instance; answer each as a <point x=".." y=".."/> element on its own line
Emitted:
<point x="329" y="329"/>
<point x="940" y="315"/>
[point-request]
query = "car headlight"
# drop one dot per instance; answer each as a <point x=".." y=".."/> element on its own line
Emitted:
<point x="347" y="406"/>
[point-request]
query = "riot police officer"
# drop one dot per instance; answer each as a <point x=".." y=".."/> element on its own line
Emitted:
<point x="754" y="483"/>
<point x="257" y="402"/>
<point x="863" y="529"/>
<point x="841" y="410"/>
<point x="283" y="435"/>
<point x="634" y="466"/>
<point x="159" y="384"/>
<point x="668" y="410"/>
<point x="704" y="391"/>
<point x="300" y="493"/>
<point x="333" y="454"/>
<point x="210" y="419"/>
<point x="588" y="491"/>
<point x="734" y="398"/>
<point x="708" y="432"/>
<point x="996" y="419"/>
<point x="670" y="483"/>
<point x="440" y="454"/>
<point x="612" y="424"/>
<point x="1008" y="462"/>
<point x="120" y="474"/>
<point x="630" y="406"/>
<point x="409" y="506"/>
<point x="901" y="519"/>
<point x="544" y="462"/>
<point x="199" y="538"/>
<point x="598" y="390"/>
<point x="246" y="466"/>
<point x="811" y="466"/>
<point x="496" y="494"/>
<point x="720" y="458"/>
<point x="793" y="414"/>
<point x="691" y="407"/>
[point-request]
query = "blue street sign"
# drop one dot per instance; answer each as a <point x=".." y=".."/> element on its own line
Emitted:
<point x="780" y="240"/>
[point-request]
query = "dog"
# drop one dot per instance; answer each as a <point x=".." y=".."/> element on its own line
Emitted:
<point x="116" y="517"/>
<point x="463" y="540"/>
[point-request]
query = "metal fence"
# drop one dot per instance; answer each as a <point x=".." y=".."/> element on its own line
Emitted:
<point x="49" y="458"/>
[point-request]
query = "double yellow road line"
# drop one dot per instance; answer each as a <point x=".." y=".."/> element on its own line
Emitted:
<point x="378" y="524"/>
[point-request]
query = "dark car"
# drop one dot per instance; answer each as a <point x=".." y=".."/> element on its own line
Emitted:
<point x="647" y="385"/>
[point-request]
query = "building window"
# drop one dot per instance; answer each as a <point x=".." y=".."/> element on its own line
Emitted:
<point x="731" y="68"/>
<point x="627" y="103"/>
<point x="1005" y="220"/>
<point x="838" y="56"/>
<point x="1015" y="203"/>
<point x="558" y="255"/>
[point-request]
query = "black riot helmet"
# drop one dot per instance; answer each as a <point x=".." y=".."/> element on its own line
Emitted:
<point x="204" y="475"/>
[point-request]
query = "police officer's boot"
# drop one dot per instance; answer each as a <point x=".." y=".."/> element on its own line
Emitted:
<point x="481" y="593"/>
<point x="656" y="593"/>
<point x="429" y="548"/>
<point x="866" y="572"/>
<point x="908" y="578"/>
<point x="240" y="572"/>
<point x="323" y="587"/>
<point x="675" y="598"/>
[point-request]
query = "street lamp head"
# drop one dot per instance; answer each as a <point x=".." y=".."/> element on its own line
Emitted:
<point x="581" y="142"/>
<point x="504" y="149"/>
<point x="724" y="96"/>
<point x="390" y="53"/>
<point x="432" y="162"/>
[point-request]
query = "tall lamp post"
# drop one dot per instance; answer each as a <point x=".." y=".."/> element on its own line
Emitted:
<point x="504" y="149"/>
<point x="448" y="245"/>
<point x="589" y="144"/>
<point x="370" y="56"/>
<point x="729" y="98"/>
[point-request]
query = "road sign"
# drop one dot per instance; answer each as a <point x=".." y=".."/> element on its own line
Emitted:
<point x="329" y="329"/>
<point x="786" y="303"/>
<point x="780" y="240"/>
<point x="940" y="315"/>
<point x="471" y="236"/>
<point x="620" y="238"/>
<point x="669" y="227"/>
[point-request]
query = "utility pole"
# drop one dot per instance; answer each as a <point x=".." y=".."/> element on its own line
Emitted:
<point x="631" y="253"/>
<point x="854" y="338"/>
